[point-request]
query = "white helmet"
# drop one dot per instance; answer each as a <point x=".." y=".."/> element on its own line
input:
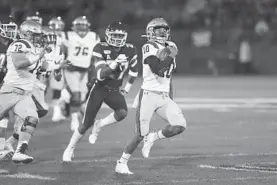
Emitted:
<point x="31" y="31"/>
<point x="158" y="30"/>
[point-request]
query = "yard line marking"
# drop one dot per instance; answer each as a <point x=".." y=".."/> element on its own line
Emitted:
<point x="25" y="176"/>
<point x="188" y="156"/>
<point x="245" y="168"/>
<point x="183" y="181"/>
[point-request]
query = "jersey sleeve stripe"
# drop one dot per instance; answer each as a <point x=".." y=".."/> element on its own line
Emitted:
<point x="24" y="42"/>
<point x="99" y="63"/>
<point x="134" y="63"/>
<point x="96" y="54"/>
<point x="98" y="75"/>
<point x="133" y="74"/>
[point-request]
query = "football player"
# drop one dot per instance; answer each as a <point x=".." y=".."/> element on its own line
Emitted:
<point x="8" y="34"/>
<point x="79" y="44"/>
<point x="51" y="62"/>
<point x="57" y="24"/>
<point x="158" y="57"/>
<point x="15" y="94"/>
<point x="114" y="58"/>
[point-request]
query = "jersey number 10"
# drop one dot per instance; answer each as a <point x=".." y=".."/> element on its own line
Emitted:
<point x="81" y="50"/>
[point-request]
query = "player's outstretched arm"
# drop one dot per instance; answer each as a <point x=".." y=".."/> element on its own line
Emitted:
<point x="132" y="75"/>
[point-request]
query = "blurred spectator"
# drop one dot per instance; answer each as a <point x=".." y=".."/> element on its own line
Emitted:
<point x="261" y="27"/>
<point x="245" y="65"/>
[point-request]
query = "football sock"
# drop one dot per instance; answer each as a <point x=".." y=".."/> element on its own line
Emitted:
<point x="110" y="119"/>
<point x="76" y="137"/>
<point x="159" y="135"/>
<point x="124" y="158"/>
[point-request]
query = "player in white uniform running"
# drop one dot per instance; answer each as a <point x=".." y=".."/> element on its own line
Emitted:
<point x="57" y="24"/>
<point x="16" y="92"/>
<point x="79" y="44"/>
<point x="51" y="62"/>
<point x="158" y="57"/>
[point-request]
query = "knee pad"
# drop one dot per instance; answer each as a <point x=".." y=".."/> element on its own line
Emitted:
<point x="120" y="114"/>
<point x="29" y="125"/>
<point x="76" y="99"/>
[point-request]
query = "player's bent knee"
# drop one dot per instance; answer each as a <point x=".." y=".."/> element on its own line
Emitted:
<point x="29" y="125"/>
<point x="83" y="128"/>
<point x="76" y="99"/>
<point x="120" y="114"/>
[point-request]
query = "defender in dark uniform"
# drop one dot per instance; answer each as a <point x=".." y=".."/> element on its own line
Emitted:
<point x="113" y="59"/>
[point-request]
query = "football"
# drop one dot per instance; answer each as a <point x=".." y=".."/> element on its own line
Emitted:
<point x="163" y="53"/>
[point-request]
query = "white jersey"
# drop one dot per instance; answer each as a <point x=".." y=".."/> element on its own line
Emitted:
<point x="20" y="78"/>
<point x="79" y="50"/>
<point x="50" y="61"/>
<point x="60" y="38"/>
<point x="152" y="81"/>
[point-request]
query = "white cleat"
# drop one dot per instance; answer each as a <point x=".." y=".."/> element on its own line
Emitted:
<point x="122" y="168"/>
<point x="6" y="154"/>
<point x="94" y="132"/>
<point x="57" y="114"/>
<point x="20" y="156"/>
<point x="68" y="154"/>
<point x="74" y="121"/>
<point x="148" y="143"/>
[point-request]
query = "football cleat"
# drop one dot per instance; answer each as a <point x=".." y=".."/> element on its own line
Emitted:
<point x="95" y="132"/>
<point x="20" y="156"/>
<point x="68" y="154"/>
<point x="148" y="143"/>
<point x="122" y="168"/>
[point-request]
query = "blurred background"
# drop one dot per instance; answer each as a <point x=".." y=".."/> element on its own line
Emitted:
<point x="217" y="37"/>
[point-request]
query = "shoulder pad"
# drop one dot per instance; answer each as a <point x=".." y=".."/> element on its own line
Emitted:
<point x="20" y="46"/>
<point x="104" y="44"/>
<point x="154" y="44"/>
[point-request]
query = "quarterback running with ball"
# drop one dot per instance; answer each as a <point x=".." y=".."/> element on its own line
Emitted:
<point x="158" y="57"/>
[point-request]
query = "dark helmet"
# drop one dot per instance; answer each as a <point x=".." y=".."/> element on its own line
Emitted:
<point x="116" y="34"/>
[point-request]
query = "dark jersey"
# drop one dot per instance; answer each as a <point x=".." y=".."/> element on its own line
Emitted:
<point x="4" y="44"/>
<point x="105" y="54"/>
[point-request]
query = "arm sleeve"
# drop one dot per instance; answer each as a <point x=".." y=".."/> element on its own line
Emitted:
<point x="133" y="71"/>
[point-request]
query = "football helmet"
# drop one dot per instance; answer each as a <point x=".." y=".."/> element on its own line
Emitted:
<point x="49" y="36"/>
<point x="81" y="26"/>
<point x="31" y="31"/>
<point x="158" y="30"/>
<point x="35" y="18"/>
<point x="9" y="30"/>
<point x="56" y="24"/>
<point x="116" y="34"/>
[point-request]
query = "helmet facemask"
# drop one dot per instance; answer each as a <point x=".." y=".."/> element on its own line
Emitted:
<point x="81" y="29"/>
<point x="116" y="38"/>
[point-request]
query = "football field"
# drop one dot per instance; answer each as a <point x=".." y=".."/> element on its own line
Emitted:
<point x="231" y="139"/>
